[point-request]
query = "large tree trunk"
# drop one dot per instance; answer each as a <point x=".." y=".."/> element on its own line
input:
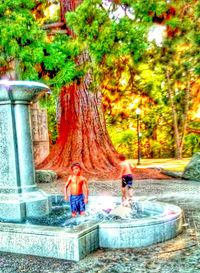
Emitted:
<point x="179" y="129"/>
<point x="65" y="6"/>
<point x="178" y="152"/>
<point x="185" y="113"/>
<point x="83" y="136"/>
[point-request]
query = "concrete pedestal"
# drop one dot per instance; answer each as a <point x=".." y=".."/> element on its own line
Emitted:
<point x="19" y="196"/>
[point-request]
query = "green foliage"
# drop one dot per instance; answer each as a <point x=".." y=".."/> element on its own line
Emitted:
<point x="21" y="39"/>
<point x="124" y="140"/>
<point x="26" y="49"/>
<point x="50" y="102"/>
<point x="143" y="8"/>
<point x="104" y="35"/>
<point x="59" y="64"/>
<point x="192" y="144"/>
<point x="59" y="69"/>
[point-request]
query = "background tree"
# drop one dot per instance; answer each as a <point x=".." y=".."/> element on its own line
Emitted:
<point x="115" y="42"/>
<point x="104" y="40"/>
<point x="164" y="133"/>
<point x="179" y="61"/>
<point x="82" y="131"/>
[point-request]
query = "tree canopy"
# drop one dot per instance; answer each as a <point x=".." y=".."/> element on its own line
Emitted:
<point x="160" y="78"/>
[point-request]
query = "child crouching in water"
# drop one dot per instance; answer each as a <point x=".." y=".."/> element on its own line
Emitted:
<point x="78" y="188"/>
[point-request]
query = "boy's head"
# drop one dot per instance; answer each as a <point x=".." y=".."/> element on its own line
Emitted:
<point x="76" y="168"/>
<point x="122" y="157"/>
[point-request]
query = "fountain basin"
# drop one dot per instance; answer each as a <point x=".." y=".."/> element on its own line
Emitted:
<point x="47" y="241"/>
<point x="162" y="222"/>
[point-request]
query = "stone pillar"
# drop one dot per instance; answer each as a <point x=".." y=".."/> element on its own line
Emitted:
<point x="19" y="196"/>
<point x="40" y="134"/>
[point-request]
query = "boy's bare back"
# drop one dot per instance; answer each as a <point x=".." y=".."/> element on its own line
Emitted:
<point x="126" y="175"/>
<point x="125" y="168"/>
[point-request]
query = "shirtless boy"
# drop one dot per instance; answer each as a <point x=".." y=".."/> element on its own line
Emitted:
<point x="78" y="188"/>
<point x="126" y="176"/>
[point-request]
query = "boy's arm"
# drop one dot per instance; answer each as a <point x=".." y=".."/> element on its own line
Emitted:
<point x="66" y="187"/>
<point x="121" y="171"/>
<point x="85" y="190"/>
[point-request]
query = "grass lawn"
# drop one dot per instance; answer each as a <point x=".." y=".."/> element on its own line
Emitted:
<point x="170" y="164"/>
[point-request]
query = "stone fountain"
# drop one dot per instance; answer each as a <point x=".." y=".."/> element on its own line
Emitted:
<point x="22" y="203"/>
<point x="19" y="196"/>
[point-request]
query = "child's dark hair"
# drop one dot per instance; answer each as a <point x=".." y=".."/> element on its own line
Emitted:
<point x="122" y="157"/>
<point x="76" y="164"/>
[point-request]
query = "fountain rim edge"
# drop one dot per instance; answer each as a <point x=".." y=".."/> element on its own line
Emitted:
<point x="24" y="83"/>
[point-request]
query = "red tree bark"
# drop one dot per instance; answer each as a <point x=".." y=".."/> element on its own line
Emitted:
<point x="83" y="136"/>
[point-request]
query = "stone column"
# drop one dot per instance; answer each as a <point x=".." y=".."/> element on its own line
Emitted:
<point x="40" y="134"/>
<point x="19" y="196"/>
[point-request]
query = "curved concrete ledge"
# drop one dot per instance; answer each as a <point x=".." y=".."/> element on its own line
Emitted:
<point x="74" y="243"/>
<point x="165" y="224"/>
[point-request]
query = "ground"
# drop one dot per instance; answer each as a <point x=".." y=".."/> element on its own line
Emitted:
<point x="179" y="255"/>
<point x="148" y="169"/>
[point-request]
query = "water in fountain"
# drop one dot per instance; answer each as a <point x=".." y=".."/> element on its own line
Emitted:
<point x="96" y="210"/>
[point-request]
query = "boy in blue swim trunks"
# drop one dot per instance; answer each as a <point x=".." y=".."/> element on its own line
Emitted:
<point x="127" y="178"/>
<point x="78" y="187"/>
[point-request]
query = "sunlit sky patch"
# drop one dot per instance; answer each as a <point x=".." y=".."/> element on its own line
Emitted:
<point x="118" y="11"/>
<point x="156" y="34"/>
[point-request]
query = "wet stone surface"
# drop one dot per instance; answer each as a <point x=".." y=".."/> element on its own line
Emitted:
<point x="61" y="214"/>
<point x="179" y="255"/>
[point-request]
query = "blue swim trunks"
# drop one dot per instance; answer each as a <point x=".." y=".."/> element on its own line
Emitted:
<point x="127" y="180"/>
<point x="77" y="203"/>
